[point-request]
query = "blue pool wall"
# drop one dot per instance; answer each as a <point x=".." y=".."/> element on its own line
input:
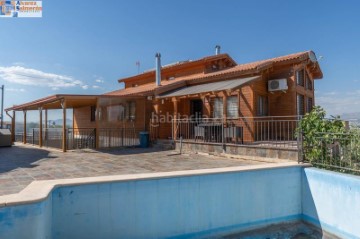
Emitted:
<point x="332" y="201"/>
<point x="195" y="206"/>
<point x="27" y="221"/>
<point x="177" y="207"/>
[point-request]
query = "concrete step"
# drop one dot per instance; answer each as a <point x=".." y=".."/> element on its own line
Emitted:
<point x="164" y="144"/>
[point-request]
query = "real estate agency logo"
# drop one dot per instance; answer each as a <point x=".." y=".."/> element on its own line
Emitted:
<point x="20" y="8"/>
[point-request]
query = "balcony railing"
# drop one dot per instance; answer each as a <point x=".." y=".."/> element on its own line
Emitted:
<point x="274" y="131"/>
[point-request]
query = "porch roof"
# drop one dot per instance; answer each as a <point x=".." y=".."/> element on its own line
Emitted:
<point x="210" y="87"/>
<point x="55" y="102"/>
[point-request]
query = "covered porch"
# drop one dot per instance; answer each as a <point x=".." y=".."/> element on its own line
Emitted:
<point x="97" y="121"/>
<point x="231" y="112"/>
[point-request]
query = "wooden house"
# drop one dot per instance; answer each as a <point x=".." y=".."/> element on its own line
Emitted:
<point x="198" y="100"/>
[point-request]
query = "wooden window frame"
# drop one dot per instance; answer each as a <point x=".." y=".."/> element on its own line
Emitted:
<point x="302" y="82"/>
<point x="214" y="114"/>
<point x="309" y="106"/>
<point x="131" y="110"/>
<point x="92" y="113"/>
<point x="298" y="104"/>
<point x="262" y="105"/>
<point x="232" y="110"/>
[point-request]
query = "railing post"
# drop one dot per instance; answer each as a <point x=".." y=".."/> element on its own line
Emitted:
<point x="300" y="146"/>
<point x="122" y="137"/>
<point x="222" y="134"/>
<point x="109" y="138"/>
<point x="33" y="135"/>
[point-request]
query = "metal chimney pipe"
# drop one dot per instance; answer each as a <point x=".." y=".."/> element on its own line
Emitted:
<point x="158" y="69"/>
<point x="217" y="50"/>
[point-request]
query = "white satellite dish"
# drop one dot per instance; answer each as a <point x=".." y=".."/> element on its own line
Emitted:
<point x="312" y="57"/>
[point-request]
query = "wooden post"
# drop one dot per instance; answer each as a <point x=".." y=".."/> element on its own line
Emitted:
<point x="46" y="127"/>
<point x="97" y="122"/>
<point x="46" y="119"/>
<point x="13" y="127"/>
<point x="40" y="128"/>
<point x="174" y="122"/>
<point x="63" y="105"/>
<point x="24" y="134"/>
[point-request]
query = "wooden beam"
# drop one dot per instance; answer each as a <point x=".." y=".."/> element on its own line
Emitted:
<point x="24" y="135"/>
<point x="63" y="106"/>
<point x="13" y="127"/>
<point x="40" y="128"/>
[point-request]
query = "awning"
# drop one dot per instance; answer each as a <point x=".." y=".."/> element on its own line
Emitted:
<point x="209" y="87"/>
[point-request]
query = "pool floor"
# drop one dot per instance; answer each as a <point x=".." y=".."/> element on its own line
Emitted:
<point x="291" y="230"/>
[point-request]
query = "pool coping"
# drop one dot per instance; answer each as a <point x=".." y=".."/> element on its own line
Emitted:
<point x="38" y="191"/>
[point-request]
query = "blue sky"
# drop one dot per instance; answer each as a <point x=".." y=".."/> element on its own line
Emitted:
<point x="83" y="47"/>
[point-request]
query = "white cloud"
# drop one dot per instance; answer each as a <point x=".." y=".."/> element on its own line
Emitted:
<point x="15" y="89"/>
<point x="337" y="104"/>
<point x="95" y="87"/>
<point x="27" y="76"/>
<point x="99" y="79"/>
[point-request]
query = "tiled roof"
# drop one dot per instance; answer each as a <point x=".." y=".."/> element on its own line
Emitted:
<point x="180" y="65"/>
<point x="238" y="70"/>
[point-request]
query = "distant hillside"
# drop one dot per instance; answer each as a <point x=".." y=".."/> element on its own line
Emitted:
<point x="354" y="118"/>
<point x="69" y="122"/>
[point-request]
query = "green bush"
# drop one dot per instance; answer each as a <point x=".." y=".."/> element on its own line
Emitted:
<point x="318" y="131"/>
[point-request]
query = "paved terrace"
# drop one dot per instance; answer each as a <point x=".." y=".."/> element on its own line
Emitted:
<point x="20" y="164"/>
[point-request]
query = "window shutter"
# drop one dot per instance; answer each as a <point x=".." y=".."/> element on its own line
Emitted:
<point x="300" y="104"/>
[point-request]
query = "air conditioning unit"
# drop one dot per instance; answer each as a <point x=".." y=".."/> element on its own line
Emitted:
<point x="277" y="85"/>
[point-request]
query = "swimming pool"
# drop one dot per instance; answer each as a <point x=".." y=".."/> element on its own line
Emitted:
<point x="185" y="204"/>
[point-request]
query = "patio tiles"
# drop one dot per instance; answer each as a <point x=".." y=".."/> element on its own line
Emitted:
<point x="22" y="164"/>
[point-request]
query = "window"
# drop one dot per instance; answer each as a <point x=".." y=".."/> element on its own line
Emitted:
<point x="309" y="105"/>
<point x="115" y="113"/>
<point x="131" y="110"/>
<point x="261" y="105"/>
<point x="300" y="104"/>
<point x="92" y="113"/>
<point x="232" y="107"/>
<point x="300" y="75"/>
<point x="218" y="107"/>
<point x="309" y="84"/>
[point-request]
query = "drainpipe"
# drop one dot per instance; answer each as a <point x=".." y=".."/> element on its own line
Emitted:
<point x="158" y="69"/>
<point x="217" y="50"/>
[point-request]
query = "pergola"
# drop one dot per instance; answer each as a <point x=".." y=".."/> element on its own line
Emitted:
<point x="60" y="101"/>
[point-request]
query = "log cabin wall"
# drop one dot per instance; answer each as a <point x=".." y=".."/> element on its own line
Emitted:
<point x="82" y="118"/>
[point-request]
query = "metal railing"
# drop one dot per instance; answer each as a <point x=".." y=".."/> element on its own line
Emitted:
<point x="80" y="138"/>
<point x="119" y="137"/>
<point x="333" y="151"/>
<point x="269" y="131"/>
